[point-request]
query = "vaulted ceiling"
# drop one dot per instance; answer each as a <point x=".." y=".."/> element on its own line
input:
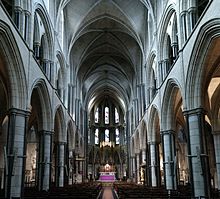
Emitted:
<point x="106" y="41"/>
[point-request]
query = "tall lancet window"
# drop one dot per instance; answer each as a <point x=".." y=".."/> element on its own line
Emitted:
<point x="106" y="115"/>
<point x="97" y="115"/>
<point x="107" y="135"/>
<point x="116" y="116"/>
<point x="117" y="136"/>
<point x="97" y="136"/>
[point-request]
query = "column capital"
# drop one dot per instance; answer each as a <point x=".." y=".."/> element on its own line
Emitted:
<point x="165" y="60"/>
<point x="160" y="62"/>
<point x="183" y="12"/>
<point x="27" y="12"/>
<point x="141" y="84"/>
<point x="153" y="142"/>
<point x="135" y="99"/>
<point x="50" y="61"/>
<point x="196" y="111"/>
<point x="37" y="43"/>
<point x="175" y="43"/>
<point x="165" y="132"/>
<point x="18" y="8"/>
<point x="192" y="9"/>
<point x="46" y="132"/>
<point x="16" y="111"/>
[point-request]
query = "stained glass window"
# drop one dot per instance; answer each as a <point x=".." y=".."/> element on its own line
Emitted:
<point x="117" y="137"/>
<point x="97" y="136"/>
<point x="116" y="116"/>
<point x="97" y="115"/>
<point x="106" y="115"/>
<point x="107" y="135"/>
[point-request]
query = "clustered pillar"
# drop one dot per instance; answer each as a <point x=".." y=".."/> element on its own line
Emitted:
<point x="15" y="163"/>
<point x="198" y="157"/>
<point x="153" y="164"/>
<point x="216" y="135"/>
<point x="45" y="160"/>
<point x="60" y="164"/>
<point x="169" y="159"/>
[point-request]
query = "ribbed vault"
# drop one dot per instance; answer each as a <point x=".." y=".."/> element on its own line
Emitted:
<point x="106" y="41"/>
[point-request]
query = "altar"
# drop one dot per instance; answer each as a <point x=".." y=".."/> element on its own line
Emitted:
<point x="107" y="176"/>
<point x="107" y="173"/>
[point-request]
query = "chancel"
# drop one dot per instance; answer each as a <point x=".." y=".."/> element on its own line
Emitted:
<point x="107" y="145"/>
<point x="109" y="99"/>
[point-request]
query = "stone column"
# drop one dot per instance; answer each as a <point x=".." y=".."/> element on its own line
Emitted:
<point x="60" y="164"/>
<point x="140" y="100"/>
<point x="192" y="17"/>
<point x="77" y="112"/>
<point x="46" y="67"/>
<point x="198" y="158"/>
<point x="133" y="168"/>
<point x="175" y="49"/>
<point x="144" y="97"/>
<point x="16" y="151"/>
<point x="184" y="26"/>
<point x="166" y="66"/>
<point x="81" y="168"/>
<point x="160" y="72"/>
<point x="72" y="101"/>
<point x="138" y="167"/>
<point x="77" y="167"/>
<point x="136" y="111"/>
<point x="143" y="156"/>
<point x="50" y="71"/>
<point x="27" y="16"/>
<point x="153" y="164"/>
<point x="18" y="16"/>
<point x="168" y="141"/>
<point x="36" y="49"/>
<point x="44" y="160"/>
<point x="70" y="162"/>
<point x="216" y="138"/>
<point x="27" y="21"/>
<point x="164" y="69"/>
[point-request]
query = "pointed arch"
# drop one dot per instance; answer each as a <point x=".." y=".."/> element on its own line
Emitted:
<point x="60" y="74"/>
<point x="163" y="29"/>
<point x="153" y="124"/>
<point x="40" y="89"/>
<point x="60" y="125"/>
<point x="13" y="68"/>
<point x="199" y="70"/>
<point x="152" y="75"/>
<point x="143" y="137"/>
<point x="40" y="10"/>
<point x="172" y="95"/>
<point x="71" y="134"/>
<point x="216" y="109"/>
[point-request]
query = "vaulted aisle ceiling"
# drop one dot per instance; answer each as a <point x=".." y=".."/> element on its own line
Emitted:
<point x="106" y="40"/>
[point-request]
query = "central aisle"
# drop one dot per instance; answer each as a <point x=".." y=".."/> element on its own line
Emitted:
<point x="107" y="193"/>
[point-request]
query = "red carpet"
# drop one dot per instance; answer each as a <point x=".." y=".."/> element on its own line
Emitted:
<point x="107" y="193"/>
